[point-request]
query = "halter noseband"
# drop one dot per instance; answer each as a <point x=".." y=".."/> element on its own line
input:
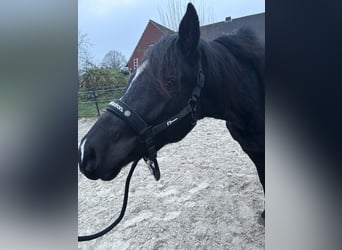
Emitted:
<point x="148" y="132"/>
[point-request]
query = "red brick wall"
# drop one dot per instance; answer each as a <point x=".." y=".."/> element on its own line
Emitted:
<point x="151" y="35"/>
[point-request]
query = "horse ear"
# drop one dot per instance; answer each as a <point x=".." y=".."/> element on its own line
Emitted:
<point x="189" y="32"/>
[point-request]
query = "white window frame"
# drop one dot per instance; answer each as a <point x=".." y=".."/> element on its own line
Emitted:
<point x="135" y="63"/>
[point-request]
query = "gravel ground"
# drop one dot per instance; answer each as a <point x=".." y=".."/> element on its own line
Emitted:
<point x="208" y="197"/>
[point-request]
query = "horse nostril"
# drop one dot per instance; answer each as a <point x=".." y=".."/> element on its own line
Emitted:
<point x="89" y="156"/>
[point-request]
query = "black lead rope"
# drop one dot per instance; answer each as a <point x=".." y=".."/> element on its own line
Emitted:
<point x="122" y="213"/>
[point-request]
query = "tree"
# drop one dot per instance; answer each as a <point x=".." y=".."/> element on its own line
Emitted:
<point x="97" y="78"/>
<point x="114" y="60"/>
<point x="172" y="14"/>
<point x="85" y="61"/>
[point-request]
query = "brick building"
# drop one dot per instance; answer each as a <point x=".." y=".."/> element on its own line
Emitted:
<point x="152" y="33"/>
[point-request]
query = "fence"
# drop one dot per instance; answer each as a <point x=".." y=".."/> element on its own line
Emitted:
<point x="93" y="102"/>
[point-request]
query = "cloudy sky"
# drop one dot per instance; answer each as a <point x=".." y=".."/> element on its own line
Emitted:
<point x="118" y="24"/>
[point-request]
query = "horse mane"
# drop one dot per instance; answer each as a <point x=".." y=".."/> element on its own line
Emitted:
<point x="245" y="46"/>
<point x="228" y="54"/>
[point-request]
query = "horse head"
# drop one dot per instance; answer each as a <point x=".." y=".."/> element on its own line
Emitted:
<point x="160" y="88"/>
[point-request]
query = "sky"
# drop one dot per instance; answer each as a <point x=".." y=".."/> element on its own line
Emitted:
<point x="118" y="24"/>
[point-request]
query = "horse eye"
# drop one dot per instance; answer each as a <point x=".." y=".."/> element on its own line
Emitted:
<point x="171" y="83"/>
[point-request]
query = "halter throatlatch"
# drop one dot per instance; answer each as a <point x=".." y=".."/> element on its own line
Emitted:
<point x="147" y="132"/>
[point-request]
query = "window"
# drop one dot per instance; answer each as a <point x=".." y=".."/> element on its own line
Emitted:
<point x="135" y="63"/>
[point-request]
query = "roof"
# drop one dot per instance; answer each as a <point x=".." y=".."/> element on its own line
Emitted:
<point x="256" y="22"/>
<point x="162" y="28"/>
<point x="209" y="32"/>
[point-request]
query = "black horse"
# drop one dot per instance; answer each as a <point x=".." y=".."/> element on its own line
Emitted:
<point x="232" y="71"/>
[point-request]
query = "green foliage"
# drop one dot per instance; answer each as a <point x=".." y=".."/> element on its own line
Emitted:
<point x="97" y="78"/>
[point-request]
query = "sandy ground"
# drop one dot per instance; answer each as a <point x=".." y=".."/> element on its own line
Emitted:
<point x="208" y="197"/>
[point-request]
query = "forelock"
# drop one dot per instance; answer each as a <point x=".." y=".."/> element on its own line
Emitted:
<point x="162" y="57"/>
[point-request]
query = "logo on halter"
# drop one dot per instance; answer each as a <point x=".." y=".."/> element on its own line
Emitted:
<point x="117" y="106"/>
<point x="169" y="123"/>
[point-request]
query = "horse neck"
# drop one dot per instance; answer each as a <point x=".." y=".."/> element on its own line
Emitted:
<point x="212" y="103"/>
<point x="226" y="79"/>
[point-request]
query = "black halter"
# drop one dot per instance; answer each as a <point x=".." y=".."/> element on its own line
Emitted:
<point x="147" y="133"/>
